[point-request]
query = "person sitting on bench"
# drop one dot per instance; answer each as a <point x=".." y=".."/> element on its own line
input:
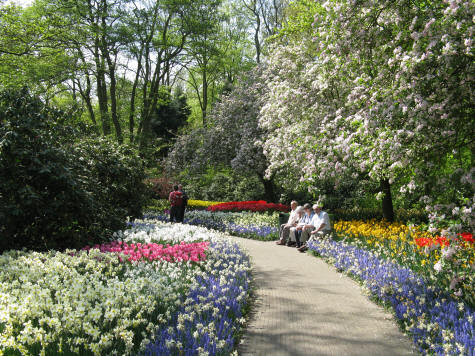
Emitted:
<point x="319" y="226"/>
<point x="285" y="228"/>
<point x="303" y="224"/>
<point x="292" y="240"/>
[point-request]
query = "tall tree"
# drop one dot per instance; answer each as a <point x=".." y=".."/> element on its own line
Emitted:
<point x="93" y="37"/>
<point x="204" y="51"/>
<point x="265" y="18"/>
<point x="157" y="33"/>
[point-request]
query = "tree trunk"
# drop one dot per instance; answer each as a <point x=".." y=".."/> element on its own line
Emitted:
<point x="269" y="191"/>
<point x="257" y="43"/>
<point x="102" y="91"/>
<point x="150" y="106"/>
<point x="113" y="96"/>
<point x="387" y="204"/>
<point x="86" y="95"/>
<point x="132" y="102"/>
<point x="204" y="105"/>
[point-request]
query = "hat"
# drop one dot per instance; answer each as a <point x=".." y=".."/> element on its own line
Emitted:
<point x="317" y="205"/>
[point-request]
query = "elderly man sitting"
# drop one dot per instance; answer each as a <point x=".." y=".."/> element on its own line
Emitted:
<point x="304" y="221"/>
<point x="319" y="227"/>
<point x="291" y="242"/>
<point x="285" y="228"/>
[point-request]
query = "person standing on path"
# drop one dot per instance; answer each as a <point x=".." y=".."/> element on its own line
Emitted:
<point x="184" y="202"/>
<point x="176" y="200"/>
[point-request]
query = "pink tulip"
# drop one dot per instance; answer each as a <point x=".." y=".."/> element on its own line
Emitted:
<point x="150" y="252"/>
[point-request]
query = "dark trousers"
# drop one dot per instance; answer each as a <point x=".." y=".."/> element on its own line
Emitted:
<point x="181" y="213"/>
<point x="175" y="214"/>
<point x="298" y="234"/>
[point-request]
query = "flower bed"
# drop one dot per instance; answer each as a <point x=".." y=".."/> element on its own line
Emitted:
<point x="201" y="204"/>
<point x="448" y="261"/>
<point x="160" y="205"/>
<point x="243" y="224"/>
<point x="153" y="251"/>
<point x="256" y="206"/>
<point x="438" y="323"/>
<point x="120" y="297"/>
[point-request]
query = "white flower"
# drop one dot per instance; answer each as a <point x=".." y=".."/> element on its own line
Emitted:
<point x="438" y="266"/>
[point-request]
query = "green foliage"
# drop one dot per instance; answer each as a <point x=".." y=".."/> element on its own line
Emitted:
<point x="158" y="205"/>
<point x="115" y="175"/>
<point x="171" y="114"/>
<point x="57" y="191"/>
<point x="300" y="16"/>
<point x="25" y="51"/>
<point x="222" y="185"/>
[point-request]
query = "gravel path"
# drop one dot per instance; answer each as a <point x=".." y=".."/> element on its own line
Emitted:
<point x="305" y="307"/>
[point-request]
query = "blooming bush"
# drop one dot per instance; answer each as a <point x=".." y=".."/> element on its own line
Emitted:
<point x="438" y="323"/>
<point x="159" y="187"/>
<point x="259" y="205"/>
<point x="355" y="95"/>
<point x="96" y="301"/>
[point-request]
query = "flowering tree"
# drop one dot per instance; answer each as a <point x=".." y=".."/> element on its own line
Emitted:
<point x="231" y="136"/>
<point x="385" y="89"/>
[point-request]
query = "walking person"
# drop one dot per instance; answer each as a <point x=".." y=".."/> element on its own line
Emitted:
<point x="176" y="200"/>
<point x="184" y="198"/>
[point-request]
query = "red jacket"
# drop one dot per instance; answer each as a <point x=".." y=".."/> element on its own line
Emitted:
<point x="176" y="198"/>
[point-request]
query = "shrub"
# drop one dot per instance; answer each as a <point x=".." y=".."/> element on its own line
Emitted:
<point x="58" y="191"/>
<point x="115" y="180"/>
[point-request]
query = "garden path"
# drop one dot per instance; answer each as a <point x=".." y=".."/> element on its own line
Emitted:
<point x="304" y="307"/>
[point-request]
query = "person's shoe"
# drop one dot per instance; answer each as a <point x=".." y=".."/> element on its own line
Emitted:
<point x="303" y="248"/>
<point x="291" y="243"/>
<point x="280" y="242"/>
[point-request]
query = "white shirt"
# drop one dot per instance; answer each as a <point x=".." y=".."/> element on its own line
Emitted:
<point x="293" y="218"/>
<point x="319" y="219"/>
